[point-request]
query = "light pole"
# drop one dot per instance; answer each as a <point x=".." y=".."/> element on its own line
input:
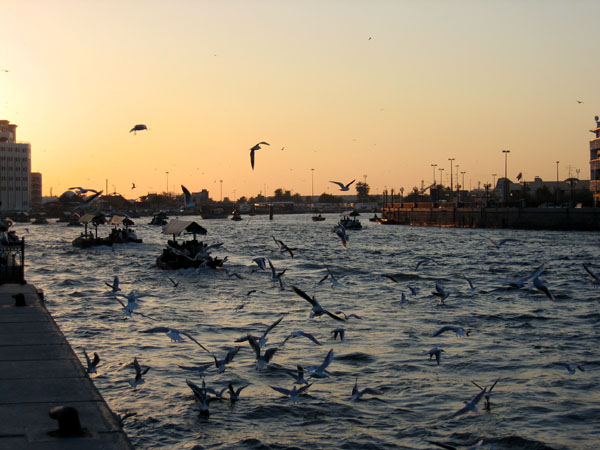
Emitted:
<point x="451" y="171"/>
<point x="463" y="180"/>
<point x="221" y="181"/>
<point x="557" y="182"/>
<point x="312" y="185"/>
<point x="167" y="182"/>
<point x="433" y="166"/>
<point x="506" y="187"/>
<point x="441" y="169"/>
<point x="494" y="181"/>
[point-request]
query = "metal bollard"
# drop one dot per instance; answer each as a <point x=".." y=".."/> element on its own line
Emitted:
<point x="68" y="421"/>
<point x="19" y="300"/>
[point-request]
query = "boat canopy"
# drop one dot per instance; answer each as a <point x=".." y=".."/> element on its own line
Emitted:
<point x="352" y="213"/>
<point x="176" y="227"/>
<point x="96" y="219"/>
<point x="116" y="220"/>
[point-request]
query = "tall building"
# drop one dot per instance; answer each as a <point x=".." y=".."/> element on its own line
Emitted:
<point x="36" y="190"/>
<point x="595" y="162"/>
<point x="15" y="169"/>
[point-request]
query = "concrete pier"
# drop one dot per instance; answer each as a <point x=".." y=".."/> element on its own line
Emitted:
<point x="39" y="371"/>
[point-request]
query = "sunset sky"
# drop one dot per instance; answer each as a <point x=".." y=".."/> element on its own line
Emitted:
<point x="347" y="88"/>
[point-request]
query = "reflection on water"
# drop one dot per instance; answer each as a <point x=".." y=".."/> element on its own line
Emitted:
<point x="517" y="334"/>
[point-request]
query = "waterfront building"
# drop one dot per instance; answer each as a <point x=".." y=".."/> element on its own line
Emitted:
<point x="36" y="190"/>
<point x="595" y="162"/>
<point x="15" y="170"/>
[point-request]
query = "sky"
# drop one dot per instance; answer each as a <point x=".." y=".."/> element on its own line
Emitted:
<point x="375" y="90"/>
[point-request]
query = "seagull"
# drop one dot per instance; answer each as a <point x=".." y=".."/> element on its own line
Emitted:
<point x="231" y="274"/>
<point x="294" y="334"/>
<point x="203" y="397"/>
<point x="440" y="293"/>
<point x="283" y="248"/>
<point x="578" y="101"/>
<point x="487" y="394"/>
<point x="261" y="360"/>
<point x="332" y="278"/>
<point x="188" y="202"/>
<point x="343" y="187"/>
<point x="132" y="185"/>
<point x="403" y="299"/>
<point x="87" y="202"/>
<point x="221" y="364"/>
<point x="317" y="309"/>
<point x="472" y="405"/>
<point x="541" y="286"/>
<point x="175" y="283"/>
<point x="298" y="376"/>
<point x="356" y="394"/>
<point x="80" y="191"/>
<point x="570" y="368"/>
<point x="275" y="276"/>
<point x="175" y="335"/>
<point x="437" y="352"/>
<point x="349" y="316"/>
<point x="263" y="339"/>
<point x="261" y="263"/>
<point x="391" y="277"/>
<point x="460" y="331"/>
<point x="423" y="262"/>
<point x="294" y="394"/>
<point x="234" y="395"/>
<point x="121" y="418"/>
<point x="501" y="243"/>
<point x="132" y="304"/>
<point x="138" y="127"/>
<point x="321" y="371"/>
<point x="253" y="149"/>
<point x="341" y="233"/>
<point x="338" y="332"/>
<point x="523" y="281"/>
<point x="595" y="279"/>
<point x="471" y="287"/>
<point x="91" y="364"/>
<point x="138" y="373"/>
<point x="199" y="369"/>
<point x="413" y="291"/>
<point x="115" y="286"/>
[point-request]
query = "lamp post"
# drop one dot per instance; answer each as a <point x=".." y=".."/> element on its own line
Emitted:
<point x="433" y="166"/>
<point x="312" y="185"/>
<point x="451" y="171"/>
<point x="506" y="187"/>
<point x="167" y="182"/>
<point x="463" y="180"/>
<point x="221" y="181"/>
<point x="557" y="182"/>
<point x="494" y="181"/>
<point x="441" y="169"/>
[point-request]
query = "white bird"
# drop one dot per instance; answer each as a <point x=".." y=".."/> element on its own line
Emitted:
<point x="460" y="331"/>
<point x="471" y="287"/>
<point x="202" y="396"/>
<point x="343" y="187"/>
<point x="199" y="369"/>
<point x="253" y="149"/>
<point x="261" y="359"/>
<point x="341" y="332"/>
<point x="298" y="376"/>
<point x="139" y="373"/>
<point x="423" y="262"/>
<point x="487" y="394"/>
<point x="234" y="395"/>
<point x="331" y="276"/>
<point x="284" y="248"/>
<point x="523" y="281"/>
<point x="115" y="286"/>
<point x="541" y="286"/>
<point x="276" y="276"/>
<point x="437" y="352"/>
<point x="570" y="368"/>
<point x="321" y="371"/>
<point x="261" y="263"/>
<point x="440" y="293"/>
<point x="263" y="339"/>
<point x="317" y="309"/>
<point x="595" y="279"/>
<point x="340" y="231"/>
<point x="175" y="335"/>
<point x="188" y="202"/>
<point x="91" y="364"/>
<point x="294" y="394"/>
<point x="356" y="394"/>
<point x="221" y="364"/>
<point x="80" y="190"/>
<point x="472" y="405"/>
<point x="294" y="334"/>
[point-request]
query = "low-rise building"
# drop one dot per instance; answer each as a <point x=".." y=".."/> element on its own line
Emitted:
<point x="15" y="169"/>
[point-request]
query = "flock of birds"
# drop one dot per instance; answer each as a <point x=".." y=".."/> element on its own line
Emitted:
<point x="304" y="377"/>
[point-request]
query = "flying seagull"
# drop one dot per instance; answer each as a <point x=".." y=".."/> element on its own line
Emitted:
<point x="460" y="331"/>
<point x="221" y="364"/>
<point x="175" y="335"/>
<point x="294" y="394"/>
<point x="132" y="185"/>
<point x="234" y="394"/>
<point x="321" y="371"/>
<point x="356" y="394"/>
<point x="188" y="201"/>
<point x="115" y="286"/>
<point x="499" y="244"/>
<point x="437" y="352"/>
<point x="472" y="405"/>
<point x="343" y="187"/>
<point x="294" y="334"/>
<point x="284" y="248"/>
<point x="340" y="231"/>
<point x="91" y="364"/>
<point x="570" y="368"/>
<point x="317" y="309"/>
<point x="253" y="149"/>
<point x="139" y="127"/>
<point x="203" y="396"/>
<point x="264" y="359"/>
<point x="541" y="286"/>
<point x="487" y="404"/>
<point x="595" y="278"/>
<point x="139" y="373"/>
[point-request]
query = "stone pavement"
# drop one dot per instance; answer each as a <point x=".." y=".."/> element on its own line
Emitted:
<point x="38" y="371"/>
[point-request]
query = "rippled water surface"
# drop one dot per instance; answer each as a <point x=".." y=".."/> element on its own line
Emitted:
<point x="517" y="334"/>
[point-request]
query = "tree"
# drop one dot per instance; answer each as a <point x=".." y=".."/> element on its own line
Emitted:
<point x="328" y="198"/>
<point x="362" y="191"/>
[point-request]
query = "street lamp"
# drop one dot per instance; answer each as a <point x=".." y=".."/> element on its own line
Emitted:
<point x="312" y="185"/>
<point x="557" y="182"/>
<point x="167" y="182"/>
<point x="494" y="181"/>
<point x="506" y="187"/>
<point x="221" y="181"/>
<point x="433" y="166"/>
<point x="451" y="171"/>
<point x="441" y="169"/>
<point x="463" y="180"/>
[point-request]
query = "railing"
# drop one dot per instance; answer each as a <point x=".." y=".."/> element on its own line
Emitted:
<point x="12" y="262"/>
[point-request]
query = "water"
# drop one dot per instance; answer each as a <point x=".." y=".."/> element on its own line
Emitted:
<point x="517" y="335"/>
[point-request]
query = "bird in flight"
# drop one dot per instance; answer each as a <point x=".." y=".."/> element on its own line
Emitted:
<point x="91" y="364"/>
<point x="253" y="149"/>
<point x="317" y="309"/>
<point x="187" y="198"/>
<point x="343" y="187"/>
<point x="132" y="185"/>
<point x="579" y="101"/>
<point x="139" y="127"/>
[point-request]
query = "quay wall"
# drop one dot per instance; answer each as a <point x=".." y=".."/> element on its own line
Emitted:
<point x="522" y="218"/>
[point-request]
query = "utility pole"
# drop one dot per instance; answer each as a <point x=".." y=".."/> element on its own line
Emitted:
<point x="451" y="172"/>
<point x="221" y="181"/>
<point x="433" y="166"/>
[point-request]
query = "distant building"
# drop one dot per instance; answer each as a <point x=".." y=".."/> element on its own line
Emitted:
<point x="595" y="162"/>
<point x="36" y="190"/>
<point x="15" y="169"/>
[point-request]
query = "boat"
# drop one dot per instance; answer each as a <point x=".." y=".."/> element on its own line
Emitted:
<point x="236" y="215"/>
<point x="159" y="219"/>
<point x="375" y="218"/>
<point x="213" y="213"/>
<point x="349" y="220"/>
<point x="317" y="217"/>
<point x="40" y="220"/>
<point x="91" y="239"/>
<point x="187" y="254"/>
<point x="121" y="232"/>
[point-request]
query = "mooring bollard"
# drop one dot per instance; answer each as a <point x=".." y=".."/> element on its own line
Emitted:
<point x="19" y="300"/>
<point x="68" y="421"/>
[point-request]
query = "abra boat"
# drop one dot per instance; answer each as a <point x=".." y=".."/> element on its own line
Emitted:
<point x="349" y="220"/>
<point x="121" y="233"/>
<point x="187" y="254"/>
<point x="317" y="217"/>
<point x="159" y="219"/>
<point x="91" y="239"/>
<point x="235" y="215"/>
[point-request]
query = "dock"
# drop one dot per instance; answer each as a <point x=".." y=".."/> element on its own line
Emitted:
<point x="40" y="371"/>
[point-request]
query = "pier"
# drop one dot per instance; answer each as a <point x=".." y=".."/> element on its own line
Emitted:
<point x="40" y="371"/>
